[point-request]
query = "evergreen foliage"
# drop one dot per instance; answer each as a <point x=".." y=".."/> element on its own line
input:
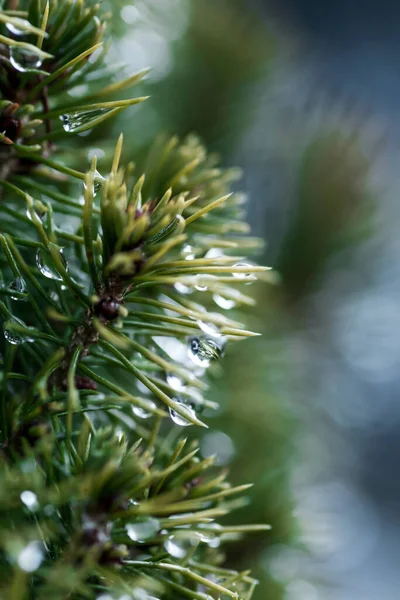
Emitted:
<point x="109" y="331"/>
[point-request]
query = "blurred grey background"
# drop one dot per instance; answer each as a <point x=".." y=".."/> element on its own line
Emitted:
<point x="350" y="58"/>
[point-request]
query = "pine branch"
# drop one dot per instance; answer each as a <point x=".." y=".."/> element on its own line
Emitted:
<point x="110" y="330"/>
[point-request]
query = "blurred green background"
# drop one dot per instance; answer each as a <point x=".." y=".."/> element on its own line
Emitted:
<point x="297" y="414"/>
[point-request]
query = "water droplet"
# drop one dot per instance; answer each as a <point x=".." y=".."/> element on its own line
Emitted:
<point x="244" y="276"/>
<point x="54" y="296"/>
<point x="98" y="152"/>
<point x="209" y="328"/>
<point x="209" y="534"/>
<point x="23" y="60"/>
<point x="141" y="594"/>
<point x="130" y="14"/>
<point x="177" y="418"/>
<point x="178" y="545"/>
<point x="31" y="557"/>
<point x="18" y="285"/>
<point x="172" y="346"/>
<point x="195" y="400"/>
<point x="214" y="253"/>
<point x="12" y="335"/>
<point x="143" y="389"/>
<point x="143" y="529"/>
<point x="39" y="214"/>
<point x="175" y="382"/>
<point x="214" y="543"/>
<point x="29" y="499"/>
<point x="188" y="252"/>
<point x="225" y="303"/>
<point x="80" y="91"/>
<point x="45" y="264"/>
<point x="74" y="120"/>
<point x="214" y="579"/>
<point x="27" y="466"/>
<point x="201" y="284"/>
<point x="182" y="288"/>
<point x="204" y="350"/>
<point x="142" y="413"/>
<point x="98" y="183"/>
<point x="177" y="350"/>
<point x="219" y="444"/>
<point x="14" y="29"/>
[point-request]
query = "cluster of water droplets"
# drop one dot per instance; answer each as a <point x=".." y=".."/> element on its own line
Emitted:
<point x="195" y="357"/>
<point x="201" y="351"/>
<point x="201" y="285"/>
<point x="203" y="282"/>
<point x="208" y="346"/>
